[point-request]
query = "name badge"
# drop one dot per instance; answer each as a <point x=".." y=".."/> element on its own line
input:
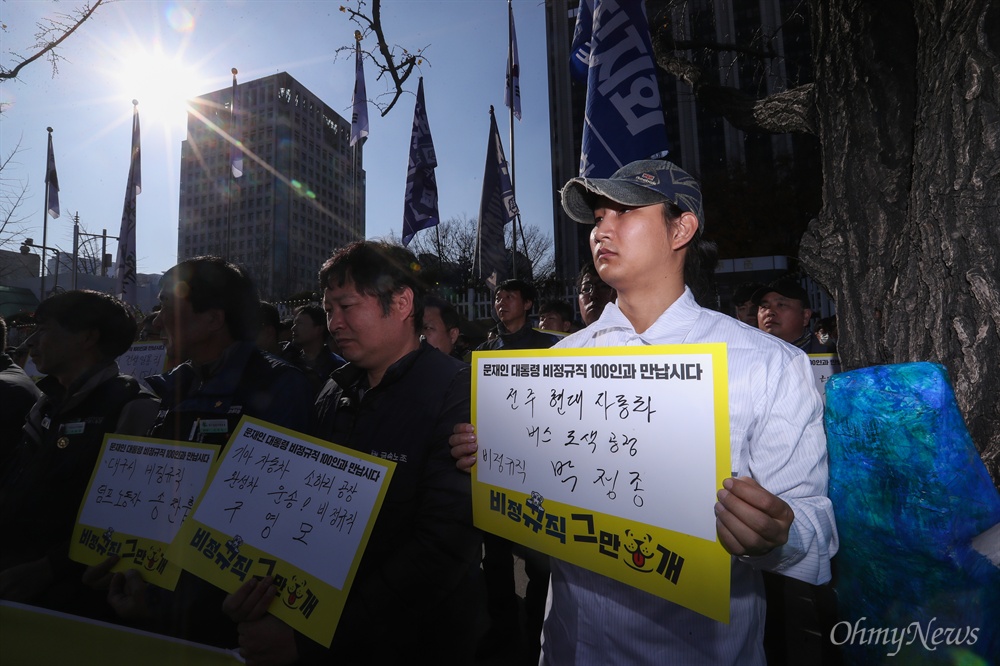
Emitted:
<point x="213" y="427"/>
<point x="74" y="428"/>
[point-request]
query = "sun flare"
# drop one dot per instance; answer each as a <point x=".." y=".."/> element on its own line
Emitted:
<point x="161" y="83"/>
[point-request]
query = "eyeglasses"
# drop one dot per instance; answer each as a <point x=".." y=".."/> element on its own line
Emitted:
<point x="589" y="288"/>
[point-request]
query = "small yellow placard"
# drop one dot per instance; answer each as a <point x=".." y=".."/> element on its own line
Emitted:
<point x="610" y="459"/>
<point x="140" y="493"/>
<point x="290" y="506"/>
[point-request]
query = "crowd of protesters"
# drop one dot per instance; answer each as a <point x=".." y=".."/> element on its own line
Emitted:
<point x="381" y="366"/>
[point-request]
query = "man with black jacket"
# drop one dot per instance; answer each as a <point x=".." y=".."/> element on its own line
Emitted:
<point x="209" y="316"/>
<point x="513" y="302"/>
<point x="397" y="398"/>
<point x="84" y="397"/>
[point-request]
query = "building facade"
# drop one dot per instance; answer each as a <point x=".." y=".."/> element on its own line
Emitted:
<point x="301" y="194"/>
<point x="702" y="142"/>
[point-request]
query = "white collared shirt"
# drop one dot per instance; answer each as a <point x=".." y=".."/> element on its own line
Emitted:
<point x="777" y="438"/>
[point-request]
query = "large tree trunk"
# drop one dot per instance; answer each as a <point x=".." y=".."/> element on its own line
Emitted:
<point x="908" y="241"/>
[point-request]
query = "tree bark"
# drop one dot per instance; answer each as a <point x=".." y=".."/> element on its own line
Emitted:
<point x="908" y="240"/>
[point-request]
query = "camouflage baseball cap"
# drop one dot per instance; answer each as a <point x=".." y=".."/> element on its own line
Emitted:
<point x="641" y="183"/>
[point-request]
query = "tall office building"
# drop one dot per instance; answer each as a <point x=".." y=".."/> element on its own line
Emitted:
<point x="301" y="194"/>
<point x="701" y="142"/>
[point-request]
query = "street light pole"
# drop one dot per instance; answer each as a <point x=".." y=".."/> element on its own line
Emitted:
<point x="76" y="246"/>
<point x="28" y="242"/>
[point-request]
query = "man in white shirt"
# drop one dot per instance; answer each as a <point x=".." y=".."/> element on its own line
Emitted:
<point x="774" y="513"/>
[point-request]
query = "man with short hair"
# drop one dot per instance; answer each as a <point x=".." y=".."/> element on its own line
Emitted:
<point x="772" y="515"/>
<point x="513" y="302"/>
<point x="744" y="308"/>
<point x="397" y="398"/>
<point x="79" y="335"/>
<point x="270" y="322"/>
<point x="555" y="316"/>
<point x="209" y="316"/>
<point x="783" y="311"/>
<point x="441" y="324"/>
<point x="308" y="349"/>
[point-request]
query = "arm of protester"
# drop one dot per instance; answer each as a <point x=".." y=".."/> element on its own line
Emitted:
<point x="98" y="576"/>
<point x="126" y="590"/>
<point x="751" y="521"/>
<point x="264" y="639"/>
<point x="251" y="600"/>
<point x="23" y="582"/>
<point x="267" y="642"/>
<point x="127" y="596"/>
<point x="463" y="446"/>
<point x="788" y="457"/>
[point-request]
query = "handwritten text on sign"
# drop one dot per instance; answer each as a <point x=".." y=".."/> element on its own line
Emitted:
<point x="143" y="359"/>
<point x="140" y="493"/>
<point x="303" y="504"/>
<point x="609" y="459"/>
<point x="627" y="436"/>
<point x="289" y="506"/>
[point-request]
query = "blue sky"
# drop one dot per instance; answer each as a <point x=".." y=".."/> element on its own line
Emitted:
<point x="158" y="52"/>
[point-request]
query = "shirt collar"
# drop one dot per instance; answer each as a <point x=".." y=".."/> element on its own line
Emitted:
<point x="675" y="321"/>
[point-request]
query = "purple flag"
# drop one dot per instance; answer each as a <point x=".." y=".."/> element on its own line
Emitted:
<point x="420" y="205"/>
<point x="496" y="208"/>
<point x="125" y="266"/>
<point x="235" y="149"/>
<point x="359" y="118"/>
<point x="52" y="182"/>
<point x="512" y="91"/>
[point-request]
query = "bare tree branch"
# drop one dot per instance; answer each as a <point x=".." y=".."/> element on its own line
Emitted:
<point x="12" y="193"/>
<point x="384" y="57"/>
<point x="788" y="111"/>
<point x="453" y="242"/>
<point x="51" y="33"/>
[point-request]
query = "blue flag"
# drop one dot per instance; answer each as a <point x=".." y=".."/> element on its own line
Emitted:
<point x="512" y="91"/>
<point x="235" y="148"/>
<point x="623" y="121"/>
<point x="496" y="208"/>
<point x="579" y="53"/>
<point x="359" y="117"/>
<point x="420" y="206"/>
<point x="51" y="183"/>
<point x="125" y="266"/>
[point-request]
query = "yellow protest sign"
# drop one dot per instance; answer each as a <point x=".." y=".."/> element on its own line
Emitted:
<point x="290" y="506"/>
<point x="824" y="366"/>
<point x="144" y="359"/>
<point x="139" y="494"/>
<point x="610" y="459"/>
<point x="28" y="641"/>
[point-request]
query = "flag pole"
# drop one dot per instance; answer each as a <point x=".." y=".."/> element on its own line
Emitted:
<point x="354" y="144"/>
<point x="359" y="124"/>
<point x="232" y="175"/>
<point x="45" y="221"/>
<point x="510" y="114"/>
